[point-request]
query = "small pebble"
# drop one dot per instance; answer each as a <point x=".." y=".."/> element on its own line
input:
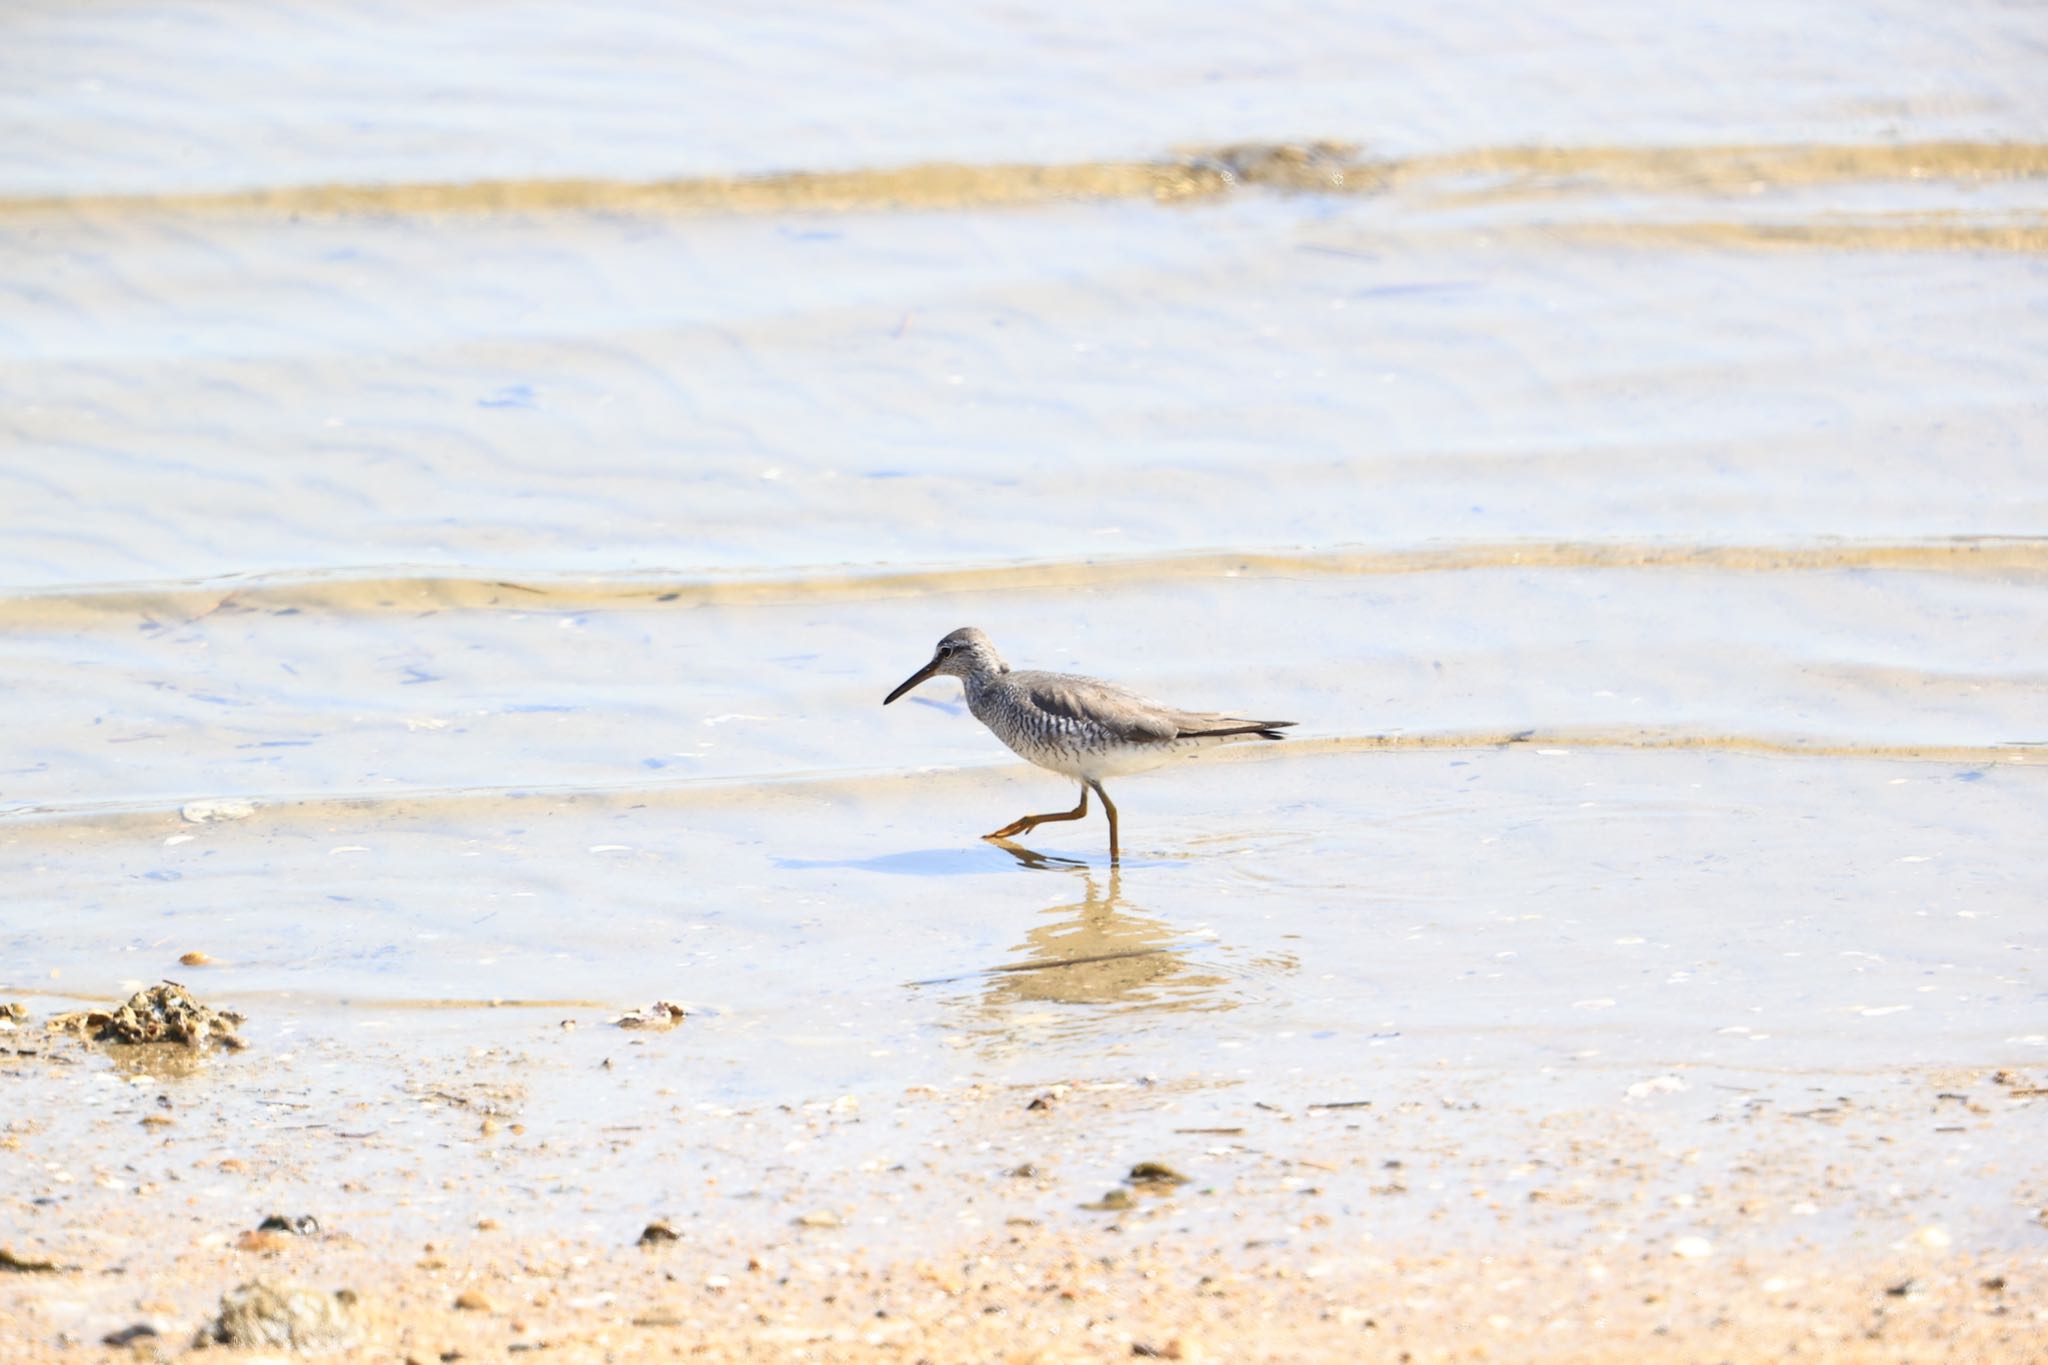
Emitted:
<point x="1155" y="1173"/>
<point x="1112" y="1201"/>
<point x="130" y="1336"/>
<point x="298" y="1225"/>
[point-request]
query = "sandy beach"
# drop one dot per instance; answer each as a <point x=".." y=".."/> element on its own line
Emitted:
<point x="1463" y="1215"/>
<point x="470" y="474"/>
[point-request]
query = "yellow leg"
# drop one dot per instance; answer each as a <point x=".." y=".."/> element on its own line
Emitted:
<point x="1027" y="823"/>
<point x="1111" y="809"/>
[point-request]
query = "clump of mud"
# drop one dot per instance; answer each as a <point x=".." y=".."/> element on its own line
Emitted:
<point x="164" y="1013"/>
<point x="1291" y="166"/>
<point x="1310" y="167"/>
<point x="295" y="1317"/>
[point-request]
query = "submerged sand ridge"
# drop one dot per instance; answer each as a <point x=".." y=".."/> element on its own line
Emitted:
<point x="368" y="591"/>
<point x="1313" y="167"/>
<point x="117" y="819"/>
<point x="341" y="713"/>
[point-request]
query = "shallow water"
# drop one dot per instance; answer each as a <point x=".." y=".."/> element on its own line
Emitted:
<point x="191" y="95"/>
<point x="1626" y="461"/>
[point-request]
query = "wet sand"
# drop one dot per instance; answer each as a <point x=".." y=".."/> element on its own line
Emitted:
<point x="1457" y="1215"/>
<point x="480" y="1182"/>
<point x="465" y="488"/>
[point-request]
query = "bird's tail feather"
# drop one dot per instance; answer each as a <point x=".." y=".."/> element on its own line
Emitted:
<point x="1264" y="729"/>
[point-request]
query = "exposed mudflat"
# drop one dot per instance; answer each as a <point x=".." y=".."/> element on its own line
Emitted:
<point x="493" y="1191"/>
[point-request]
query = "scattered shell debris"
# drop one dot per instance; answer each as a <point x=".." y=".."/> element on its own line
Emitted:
<point x="217" y="810"/>
<point x="662" y="1014"/>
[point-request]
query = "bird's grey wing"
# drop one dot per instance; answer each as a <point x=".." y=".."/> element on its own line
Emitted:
<point x="1089" y="701"/>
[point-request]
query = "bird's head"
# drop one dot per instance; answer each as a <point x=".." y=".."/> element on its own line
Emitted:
<point x="963" y="654"/>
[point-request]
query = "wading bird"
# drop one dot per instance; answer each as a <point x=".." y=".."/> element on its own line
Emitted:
<point x="1083" y="727"/>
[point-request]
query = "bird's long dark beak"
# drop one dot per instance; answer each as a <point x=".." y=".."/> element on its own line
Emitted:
<point x="913" y="680"/>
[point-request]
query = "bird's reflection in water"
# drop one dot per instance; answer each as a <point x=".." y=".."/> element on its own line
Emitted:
<point x="1098" y="950"/>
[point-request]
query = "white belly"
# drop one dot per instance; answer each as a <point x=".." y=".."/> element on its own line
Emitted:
<point x="1095" y="765"/>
